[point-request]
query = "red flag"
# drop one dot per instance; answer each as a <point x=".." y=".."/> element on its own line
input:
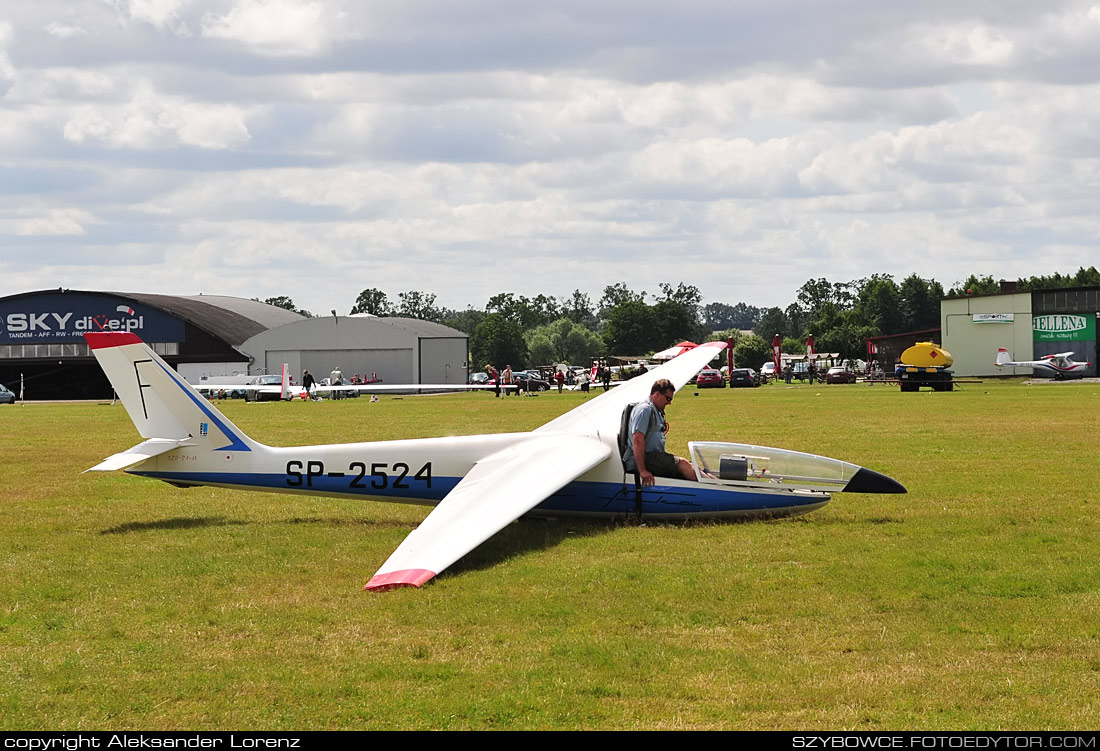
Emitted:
<point x="777" y="353"/>
<point x="810" y="344"/>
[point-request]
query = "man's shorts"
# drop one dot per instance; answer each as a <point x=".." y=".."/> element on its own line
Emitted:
<point x="663" y="464"/>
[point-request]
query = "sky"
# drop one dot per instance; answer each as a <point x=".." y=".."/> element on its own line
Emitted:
<point x="316" y="148"/>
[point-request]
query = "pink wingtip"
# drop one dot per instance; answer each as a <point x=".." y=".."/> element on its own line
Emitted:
<point x="104" y="339"/>
<point x="410" y="577"/>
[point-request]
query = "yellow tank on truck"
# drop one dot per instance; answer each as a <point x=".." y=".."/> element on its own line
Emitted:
<point x="927" y="355"/>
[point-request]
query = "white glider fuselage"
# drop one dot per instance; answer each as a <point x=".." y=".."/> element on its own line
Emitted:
<point x="424" y="470"/>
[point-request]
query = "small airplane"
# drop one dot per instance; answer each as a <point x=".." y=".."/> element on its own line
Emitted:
<point x="571" y="466"/>
<point x="1062" y="365"/>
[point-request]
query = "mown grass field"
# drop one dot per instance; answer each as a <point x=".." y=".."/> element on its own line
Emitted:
<point x="972" y="602"/>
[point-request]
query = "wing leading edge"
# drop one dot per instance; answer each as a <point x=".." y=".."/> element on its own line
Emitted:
<point x="498" y="490"/>
<point x="603" y="412"/>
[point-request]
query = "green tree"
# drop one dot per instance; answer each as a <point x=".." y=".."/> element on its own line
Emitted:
<point x="797" y="320"/>
<point x="629" y="329"/>
<point x="498" y="340"/>
<point x="281" y="302"/>
<point x="465" y="320"/>
<point x="718" y="315"/>
<point x="920" y="303"/>
<point x="563" y="341"/>
<point x="879" y="305"/>
<point x="975" y="286"/>
<point x="419" y="305"/>
<point x="674" y="322"/>
<point x="772" y="321"/>
<point x="751" y="352"/>
<point x="726" y="335"/>
<point x="373" y="302"/>
<point x="578" y="308"/>
<point x="794" y="346"/>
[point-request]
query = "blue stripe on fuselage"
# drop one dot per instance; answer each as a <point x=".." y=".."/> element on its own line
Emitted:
<point x="576" y="497"/>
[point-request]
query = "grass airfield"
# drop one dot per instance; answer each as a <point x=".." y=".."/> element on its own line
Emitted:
<point x="972" y="602"/>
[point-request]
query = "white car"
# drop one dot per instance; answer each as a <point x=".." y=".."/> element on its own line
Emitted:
<point x="768" y="370"/>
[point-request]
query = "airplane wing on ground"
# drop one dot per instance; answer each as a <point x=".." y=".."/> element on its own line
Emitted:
<point x="498" y="490"/>
<point x="603" y="412"/>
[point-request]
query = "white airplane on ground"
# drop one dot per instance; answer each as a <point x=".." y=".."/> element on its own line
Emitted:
<point x="1062" y="365"/>
<point x="477" y="483"/>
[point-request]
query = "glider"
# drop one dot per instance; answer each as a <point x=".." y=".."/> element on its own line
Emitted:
<point x="479" y="483"/>
<point x="1062" y="365"/>
<point x="288" y="392"/>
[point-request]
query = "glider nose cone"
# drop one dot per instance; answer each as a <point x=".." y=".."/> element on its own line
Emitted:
<point x="870" y="481"/>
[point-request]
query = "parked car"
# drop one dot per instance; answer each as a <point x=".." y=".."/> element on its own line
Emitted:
<point x="840" y="374"/>
<point x="744" y="377"/>
<point x="479" y="379"/>
<point x="767" y="370"/>
<point x="530" y="382"/>
<point x="254" y="395"/>
<point x="6" y="396"/>
<point x="709" y="378"/>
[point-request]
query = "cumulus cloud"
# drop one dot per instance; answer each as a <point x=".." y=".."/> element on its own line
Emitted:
<point x="277" y="27"/>
<point x="53" y="223"/>
<point x="153" y="120"/>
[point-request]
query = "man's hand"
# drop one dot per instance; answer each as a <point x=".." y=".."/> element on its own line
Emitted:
<point x="647" y="478"/>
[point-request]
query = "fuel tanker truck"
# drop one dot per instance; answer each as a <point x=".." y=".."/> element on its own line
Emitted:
<point x="925" y="364"/>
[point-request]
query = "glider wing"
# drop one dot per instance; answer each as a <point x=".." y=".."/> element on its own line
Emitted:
<point x="499" y="489"/>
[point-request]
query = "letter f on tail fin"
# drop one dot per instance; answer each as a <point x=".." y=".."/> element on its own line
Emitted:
<point x="166" y="410"/>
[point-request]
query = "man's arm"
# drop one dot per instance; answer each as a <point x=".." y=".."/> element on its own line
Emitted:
<point x="638" y="444"/>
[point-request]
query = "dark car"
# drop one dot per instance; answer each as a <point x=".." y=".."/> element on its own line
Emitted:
<point x="840" y="374"/>
<point x="6" y="396"/>
<point x="743" y="377"/>
<point x="709" y="378"/>
<point x="480" y="379"/>
<point x="529" y="382"/>
<point x="254" y="395"/>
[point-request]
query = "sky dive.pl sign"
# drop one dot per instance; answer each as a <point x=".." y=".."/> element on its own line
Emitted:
<point x="67" y="317"/>
<point x="1063" y="327"/>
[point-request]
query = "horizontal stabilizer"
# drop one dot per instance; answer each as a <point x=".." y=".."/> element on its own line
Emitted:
<point x="139" y="453"/>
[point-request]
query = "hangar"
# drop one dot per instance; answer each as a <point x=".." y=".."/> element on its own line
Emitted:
<point x="41" y="340"/>
<point x="42" y="344"/>
<point x="395" y="350"/>
<point x="1028" y="324"/>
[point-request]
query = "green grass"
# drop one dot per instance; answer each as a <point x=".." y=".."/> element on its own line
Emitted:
<point x="970" y="603"/>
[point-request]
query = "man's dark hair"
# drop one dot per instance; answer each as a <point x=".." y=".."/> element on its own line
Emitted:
<point x="662" y="385"/>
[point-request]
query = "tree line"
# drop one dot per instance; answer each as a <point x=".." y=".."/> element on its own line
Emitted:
<point x="523" y="331"/>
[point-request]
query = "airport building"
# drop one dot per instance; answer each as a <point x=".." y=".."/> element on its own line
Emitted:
<point x="1028" y="324"/>
<point x="42" y="344"/>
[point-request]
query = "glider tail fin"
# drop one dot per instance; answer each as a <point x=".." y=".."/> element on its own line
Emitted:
<point x="164" y="407"/>
<point x="1003" y="358"/>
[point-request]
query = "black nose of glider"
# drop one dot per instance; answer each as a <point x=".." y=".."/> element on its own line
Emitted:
<point x="870" y="481"/>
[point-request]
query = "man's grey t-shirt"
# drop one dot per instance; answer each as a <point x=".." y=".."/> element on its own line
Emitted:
<point x="647" y="420"/>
